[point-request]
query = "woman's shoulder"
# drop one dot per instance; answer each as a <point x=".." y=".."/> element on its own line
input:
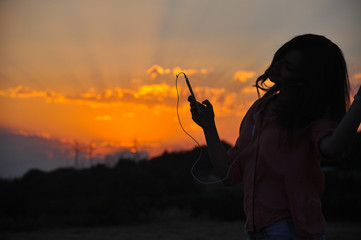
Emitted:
<point x="256" y="104"/>
<point x="253" y="108"/>
<point x="261" y="102"/>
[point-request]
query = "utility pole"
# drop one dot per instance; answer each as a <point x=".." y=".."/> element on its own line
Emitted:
<point x="91" y="148"/>
<point x="77" y="149"/>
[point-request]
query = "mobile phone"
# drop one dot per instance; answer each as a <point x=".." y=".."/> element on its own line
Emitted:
<point x="192" y="93"/>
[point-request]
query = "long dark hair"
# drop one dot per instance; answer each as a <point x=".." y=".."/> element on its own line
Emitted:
<point x="321" y="91"/>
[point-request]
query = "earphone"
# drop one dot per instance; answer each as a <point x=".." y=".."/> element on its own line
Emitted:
<point x="199" y="146"/>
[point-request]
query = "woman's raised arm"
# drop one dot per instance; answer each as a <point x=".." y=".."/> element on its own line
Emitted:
<point x="335" y="145"/>
<point x="216" y="150"/>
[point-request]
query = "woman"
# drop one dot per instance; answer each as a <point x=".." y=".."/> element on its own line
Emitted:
<point x="299" y="120"/>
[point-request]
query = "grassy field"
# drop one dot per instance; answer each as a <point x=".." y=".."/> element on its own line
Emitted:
<point x="171" y="230"/>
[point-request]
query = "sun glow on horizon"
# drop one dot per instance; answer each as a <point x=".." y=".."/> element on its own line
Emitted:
<point x="118" y="115"/>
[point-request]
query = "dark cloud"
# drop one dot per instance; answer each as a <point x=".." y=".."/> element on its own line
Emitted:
<point x="19" y="153"/>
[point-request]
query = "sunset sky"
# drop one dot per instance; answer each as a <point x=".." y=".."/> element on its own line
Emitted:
<point x="102" y="73"/>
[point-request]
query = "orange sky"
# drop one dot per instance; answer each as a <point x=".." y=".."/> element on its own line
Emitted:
<point x="104" y="73"/>
<point x="117" y="116"/>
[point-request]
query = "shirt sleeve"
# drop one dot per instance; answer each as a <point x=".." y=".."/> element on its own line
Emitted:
<point x="321" y="129"/>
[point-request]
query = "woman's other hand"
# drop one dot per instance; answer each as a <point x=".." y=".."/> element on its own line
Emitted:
<point x="205" y="116"/>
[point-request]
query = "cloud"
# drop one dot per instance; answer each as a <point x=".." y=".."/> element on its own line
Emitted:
<point x="357" y="77"/>
<point x="157" y="70"/>
<point x="248" y="90"/>
<point x="32" y="134"/>
<point x="162" y="90"/>
<point x="146" y="95"/>
<point x="202" y="71"/>
<point x="150" y="95"/>
<point x="26" y="92"/>
<point x="242" y="75"/>
<point x="212" y="94"/>
<point x="21" y="151"/>
<point x="355" y="82"/>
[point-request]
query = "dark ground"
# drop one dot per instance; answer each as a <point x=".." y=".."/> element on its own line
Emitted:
<point x="171" y="230"/>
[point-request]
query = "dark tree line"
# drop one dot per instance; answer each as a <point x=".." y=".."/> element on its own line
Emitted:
<point x="130" y="192"/>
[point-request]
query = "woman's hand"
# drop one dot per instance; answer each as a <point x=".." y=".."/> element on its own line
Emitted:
<point x="205" y="117"/>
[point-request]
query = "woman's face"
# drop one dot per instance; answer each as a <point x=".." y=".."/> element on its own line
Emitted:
<point x="287" y="69"/>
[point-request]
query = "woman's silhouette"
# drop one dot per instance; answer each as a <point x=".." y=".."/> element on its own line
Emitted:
<point x="303" y="118"/>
